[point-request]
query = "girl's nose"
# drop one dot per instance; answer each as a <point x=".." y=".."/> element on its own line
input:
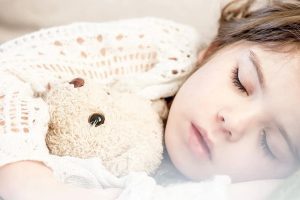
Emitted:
<point x="235" y="123"/>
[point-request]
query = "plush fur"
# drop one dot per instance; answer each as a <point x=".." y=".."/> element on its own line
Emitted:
<point x="127" y="136"/>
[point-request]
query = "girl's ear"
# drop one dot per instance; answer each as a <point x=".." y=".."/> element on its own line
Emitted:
<point x="201" y="55"/>
<point x="206" y="53"/>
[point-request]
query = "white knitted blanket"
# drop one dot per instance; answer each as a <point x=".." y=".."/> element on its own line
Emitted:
<point x="148" y="56"/>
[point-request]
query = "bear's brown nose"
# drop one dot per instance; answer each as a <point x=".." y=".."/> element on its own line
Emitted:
<point x="77" y="82"/>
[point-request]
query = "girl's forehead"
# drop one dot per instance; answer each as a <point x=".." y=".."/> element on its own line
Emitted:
<point x="285" y="60"/>
<point x="283" y="64"/>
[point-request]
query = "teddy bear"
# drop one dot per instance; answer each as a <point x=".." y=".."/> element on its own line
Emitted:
<point x="91" y="120"/>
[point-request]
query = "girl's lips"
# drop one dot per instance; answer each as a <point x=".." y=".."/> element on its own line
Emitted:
<point x="199" y="142"/>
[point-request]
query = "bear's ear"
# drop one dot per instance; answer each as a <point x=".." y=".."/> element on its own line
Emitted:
<point x="77" y="82"/>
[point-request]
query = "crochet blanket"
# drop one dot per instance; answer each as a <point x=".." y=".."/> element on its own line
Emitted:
<point x="162" y="52"/>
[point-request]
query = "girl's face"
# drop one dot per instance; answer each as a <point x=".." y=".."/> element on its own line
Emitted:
<point x="239" y="115"/>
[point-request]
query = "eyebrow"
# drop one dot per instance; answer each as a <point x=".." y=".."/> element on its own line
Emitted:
<point x="258" y="68"/>
<point x="256" y="63"/>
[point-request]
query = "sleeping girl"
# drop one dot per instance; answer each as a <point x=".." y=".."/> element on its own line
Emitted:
<point x="236" y="114"/>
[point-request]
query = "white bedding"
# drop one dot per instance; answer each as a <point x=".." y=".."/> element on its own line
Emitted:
<point x="89" y="173"/>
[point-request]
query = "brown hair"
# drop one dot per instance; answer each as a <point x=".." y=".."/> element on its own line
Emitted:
<point x="276" y="25"/>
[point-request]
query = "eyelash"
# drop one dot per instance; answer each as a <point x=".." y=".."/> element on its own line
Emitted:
<point x="265" y="146"/>
<point x="236" y="81"/>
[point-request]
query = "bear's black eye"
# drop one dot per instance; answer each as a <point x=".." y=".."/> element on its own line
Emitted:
<point x="96" y="119"/>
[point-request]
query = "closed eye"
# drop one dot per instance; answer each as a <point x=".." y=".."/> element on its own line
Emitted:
<point x="265" y="146"/>
<point x="236" y="81"/>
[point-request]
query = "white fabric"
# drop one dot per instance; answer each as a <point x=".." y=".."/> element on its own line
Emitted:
<point x="109" y="51"/>
<point x="90" y="173"/>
